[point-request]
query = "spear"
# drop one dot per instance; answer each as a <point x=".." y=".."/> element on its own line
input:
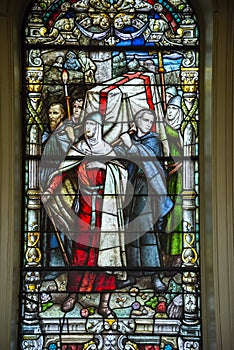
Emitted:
<point x="161" y="72"/>
<point x="67" y="97"/>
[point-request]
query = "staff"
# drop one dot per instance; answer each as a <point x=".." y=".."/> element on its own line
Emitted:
<point x="161" y="72"/>
<point x="65" y="258"/>
<point x="65" y="80"/>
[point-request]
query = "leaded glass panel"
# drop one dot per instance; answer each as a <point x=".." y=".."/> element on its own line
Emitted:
<point x="110" y="233"/>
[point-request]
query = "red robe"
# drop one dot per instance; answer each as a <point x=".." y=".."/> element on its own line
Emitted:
<point x="86" y="254"/>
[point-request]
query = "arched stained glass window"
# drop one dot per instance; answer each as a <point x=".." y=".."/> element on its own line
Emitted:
<point x="110" y="247"/>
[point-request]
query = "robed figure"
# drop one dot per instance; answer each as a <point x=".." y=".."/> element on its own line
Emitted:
<point x="145" y="215"/>
<point x="85" y="198"/>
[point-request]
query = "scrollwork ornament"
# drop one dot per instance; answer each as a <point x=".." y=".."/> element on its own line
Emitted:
<point x="94" y="326"/>
<point x="33" y="255"/>
<point x="34" y="58"/>
<point x="191" y="345"/>
<point x="130" y="346"/>
<point x="90" y="346"/>
<point x="127" y="326"/>
<point x="189" y="256"/>
<point x="188" y="344"/>
<point x="189" y="59"/>
<point x="32" y="344"/>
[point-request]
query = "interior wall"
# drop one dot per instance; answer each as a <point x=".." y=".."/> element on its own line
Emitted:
<point x="222" y="168"/>
<point x="216" y="133"/>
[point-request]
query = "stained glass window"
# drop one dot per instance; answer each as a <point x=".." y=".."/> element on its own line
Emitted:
<point x="110" y="235"/>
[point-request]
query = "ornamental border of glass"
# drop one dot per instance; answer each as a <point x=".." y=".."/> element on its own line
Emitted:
<point x="105" y="31"/>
